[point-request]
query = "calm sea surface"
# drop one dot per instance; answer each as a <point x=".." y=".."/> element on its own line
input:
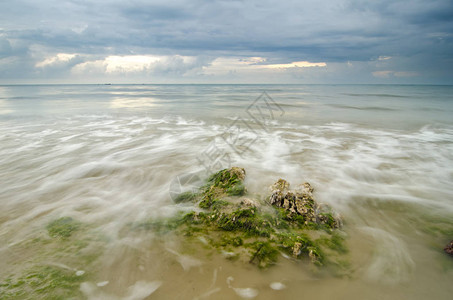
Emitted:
<point x="113" y="155"/>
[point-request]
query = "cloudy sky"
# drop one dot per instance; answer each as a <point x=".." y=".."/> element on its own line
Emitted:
<point x="226" y="41"/>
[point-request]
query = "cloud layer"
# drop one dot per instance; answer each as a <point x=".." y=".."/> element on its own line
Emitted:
<point x="340" y="41"/>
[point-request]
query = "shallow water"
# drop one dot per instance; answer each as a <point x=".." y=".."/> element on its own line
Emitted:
<point x="111" y="156"/>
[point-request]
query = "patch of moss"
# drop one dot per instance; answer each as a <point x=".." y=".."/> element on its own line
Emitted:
<point x="236" y="190"/>
<point x="245" y="220"/>
<point x="336" y="242"/>
<point x="264" y="254"/>
<point x="287" y="220"/>
<point x="43" y="282"/>
<point x="209" y="196"/>
<point x="327" y="220"/>
<point x="62" y="227"/>
<point x="227" y="178"/>
<point x="299" y="244"/>
<point x="186" y="197"/>
<point x="224" y="182"/>
<point x="235" y="241"/>
<point x="162" y="225"/>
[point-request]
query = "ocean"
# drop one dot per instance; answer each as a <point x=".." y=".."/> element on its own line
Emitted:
<point x="111" y="156"/>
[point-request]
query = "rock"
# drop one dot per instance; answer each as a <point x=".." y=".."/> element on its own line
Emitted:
<point x="449" y="248"/>
<point x="246" y="202"/>
<point x="227" y="182"/>
<point x="296" y="249"/>
<point x="250" y="229"/>
<point x="300" y="202"/>
<point x="281" y="185"/>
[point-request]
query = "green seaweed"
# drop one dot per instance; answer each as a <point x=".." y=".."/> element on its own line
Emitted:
<point x="298" y="244"/>
<point x="246" y="220"/>
<point x="336" y="242"/>
<point x="235" y="241"/>
<point x="226" y="178"/>
<point x="264" y="254"/>
<point x="164" y="225"/>
<point x="327" y="220"/>
<point x="236" y="190"/>
<point x="286" y="220"/>
<point x="63" y="227"/>
<point x="219" y="204"/>
<point x="225" y="182"/>
<point x="43" y="282"/>
<point x="186" y="197"/>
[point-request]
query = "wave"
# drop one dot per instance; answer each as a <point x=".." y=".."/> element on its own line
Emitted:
<point x="372" y="108"/>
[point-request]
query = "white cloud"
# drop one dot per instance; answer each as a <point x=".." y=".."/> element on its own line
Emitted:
<point x="89" y="67"/>
<point x="57" y="59"/>
<point x="130" y="63"/>
<point x="253" y="64"/>
<point x="138" y="65"/>
<point x="296" y="64"/>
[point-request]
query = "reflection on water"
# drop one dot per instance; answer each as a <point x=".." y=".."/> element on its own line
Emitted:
<point x="109" y="168"/>
<point x="124" y="102"/>
<point x="5" y="108"/>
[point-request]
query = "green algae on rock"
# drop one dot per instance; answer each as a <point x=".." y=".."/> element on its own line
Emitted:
<point x="227" y="182"/>
<point x="258" y="231"/>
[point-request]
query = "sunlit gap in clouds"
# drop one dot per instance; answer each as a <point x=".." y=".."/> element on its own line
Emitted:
<point x="115" y="64"/>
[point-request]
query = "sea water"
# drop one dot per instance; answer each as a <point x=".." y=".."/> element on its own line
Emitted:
<point x="111" y="156"/>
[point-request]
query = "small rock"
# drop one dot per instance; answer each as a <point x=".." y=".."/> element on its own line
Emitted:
<point x="449" y="248"/>
<point x="248" y="203"/>
<point x="281" y="185"/>
<point x="296" y="249"/>
<point x="239" y="172"/>
<point x="79" y="273"/>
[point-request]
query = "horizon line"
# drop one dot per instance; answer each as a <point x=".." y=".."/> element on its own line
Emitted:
<point x="110" y="84"/>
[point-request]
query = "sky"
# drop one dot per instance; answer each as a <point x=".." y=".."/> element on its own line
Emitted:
<point x="226" y="41"/>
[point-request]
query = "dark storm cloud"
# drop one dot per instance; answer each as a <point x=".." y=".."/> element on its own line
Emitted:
<point x="285" y="31"/>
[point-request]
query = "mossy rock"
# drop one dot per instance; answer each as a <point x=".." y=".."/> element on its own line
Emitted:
<point x="246" y="220"/>
<point x="257" y="231"/>
<point x="264" y="254"/>
<point x="227" y="182"/>
<point x="227" y="178"/>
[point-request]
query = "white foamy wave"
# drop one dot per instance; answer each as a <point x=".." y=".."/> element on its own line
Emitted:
<point x="392" y="262"/>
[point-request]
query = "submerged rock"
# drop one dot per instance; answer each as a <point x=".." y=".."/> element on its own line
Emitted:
<point x="449" y="248"/>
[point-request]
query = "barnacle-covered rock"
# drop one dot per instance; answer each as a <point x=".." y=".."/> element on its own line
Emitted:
<point x="300" y="204"/>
